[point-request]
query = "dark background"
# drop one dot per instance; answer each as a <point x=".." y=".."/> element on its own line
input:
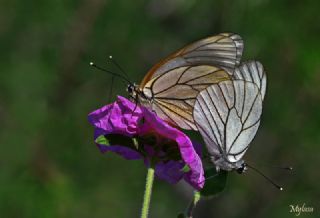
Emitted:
<point x="49" y="165"/>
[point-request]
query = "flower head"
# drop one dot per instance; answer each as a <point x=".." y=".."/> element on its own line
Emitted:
<point x="134" y="132"/>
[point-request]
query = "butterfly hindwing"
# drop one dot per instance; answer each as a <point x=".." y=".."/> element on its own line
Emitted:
<point x="227" y="115"/>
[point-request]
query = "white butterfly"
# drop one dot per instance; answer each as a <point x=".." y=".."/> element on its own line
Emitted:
<point x="228" y="114"/>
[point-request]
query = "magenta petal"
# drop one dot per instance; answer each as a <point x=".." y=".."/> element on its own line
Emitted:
<point x="125" y="118"/>
<point x="195" y="177"/>
<point x="99" y="118"/>
<point x="117" y="118"/>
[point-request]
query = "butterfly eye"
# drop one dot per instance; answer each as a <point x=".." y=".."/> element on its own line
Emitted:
<point x="242" y="169"/>
<point x="130" y="89"/>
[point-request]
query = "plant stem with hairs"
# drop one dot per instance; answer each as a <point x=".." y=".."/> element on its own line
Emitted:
<point x="147" y="192"/>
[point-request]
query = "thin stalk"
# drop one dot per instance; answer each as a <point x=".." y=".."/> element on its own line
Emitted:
<point x="193" y="203"/>
<point x="147" y="193"/>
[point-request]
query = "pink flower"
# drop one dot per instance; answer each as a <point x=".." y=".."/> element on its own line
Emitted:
<point x="134" y="132"/>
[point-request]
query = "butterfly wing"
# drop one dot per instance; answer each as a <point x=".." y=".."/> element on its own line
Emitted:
<point x="223" y="51"/>
<point x="227" y="116"/>
<point x="173" y="94"/>
<point x="252" y="71"/>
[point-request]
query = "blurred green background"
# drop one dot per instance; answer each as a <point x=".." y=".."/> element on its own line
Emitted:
<point x="49" y="165"/>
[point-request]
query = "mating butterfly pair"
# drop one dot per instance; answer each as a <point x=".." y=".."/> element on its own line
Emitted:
<point x="204" y="87"/>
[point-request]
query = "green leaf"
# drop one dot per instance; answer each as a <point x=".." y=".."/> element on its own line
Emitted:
<point x="215" y="182"/>
<point x="185" y="169"/>
<point x="102" y="140"/>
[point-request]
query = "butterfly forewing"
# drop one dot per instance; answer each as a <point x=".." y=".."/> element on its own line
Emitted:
<point x="252" y="71"/>
<point x="227" y="115"/>
<point x="174" y="93"/>
<point x="223" y="51"/>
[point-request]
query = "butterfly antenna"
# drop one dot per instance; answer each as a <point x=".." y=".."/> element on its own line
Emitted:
<point x="111" y="87"/>
<point x="136" y="105"/>
<point x="110" y="72"/>
<point x="118" y="66"/>
<point x="289" y="168"/>
<point x="266" y="177"/>
<point x="286" y="168"/>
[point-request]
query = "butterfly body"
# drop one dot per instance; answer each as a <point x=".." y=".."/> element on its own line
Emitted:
<point x="224" y="164"/>
<point x="139" y="95"/>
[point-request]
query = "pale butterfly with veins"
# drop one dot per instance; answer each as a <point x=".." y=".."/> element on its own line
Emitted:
<point x="227" y="115"/>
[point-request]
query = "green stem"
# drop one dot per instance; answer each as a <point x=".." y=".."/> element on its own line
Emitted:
<point x="147" y="192"/>
<point x="193" y="203"/>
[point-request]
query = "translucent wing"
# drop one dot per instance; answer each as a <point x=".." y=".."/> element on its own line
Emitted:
<point x="173" y="94"/>
<point x="227" y="115"/>
<point x="223" y="51"/>
<point x="252" y="71"/>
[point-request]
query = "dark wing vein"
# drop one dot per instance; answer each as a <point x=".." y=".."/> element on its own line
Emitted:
<point x="252" y="125"/>
<point x="208" y="135"/>
<point x="224" y="98"/>
<point x="169" y="70"/>
<point x="198" y="77"/>
<point x="254" y="101"/>
<point x="173" y="112"/>
<point x="205" y="44"/>
<point x="217" y="127"/>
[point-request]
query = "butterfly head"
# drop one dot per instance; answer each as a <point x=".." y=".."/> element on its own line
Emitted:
<point x="242" y="169"/>
<point x="138" y="95"/>
<point x="223" y="163"/>
<point x="133" y="90"/>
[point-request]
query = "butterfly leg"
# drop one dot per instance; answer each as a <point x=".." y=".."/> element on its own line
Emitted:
<point x="152" y="107"/>
<point x="136" y="101"/>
